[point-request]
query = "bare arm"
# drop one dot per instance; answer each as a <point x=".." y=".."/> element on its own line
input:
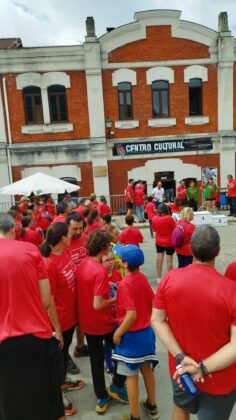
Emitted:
<point x="128" y="321"/>
<point x="100" y="303"/>
<point x="45" y="293"/>
<point x="53" y="316"/>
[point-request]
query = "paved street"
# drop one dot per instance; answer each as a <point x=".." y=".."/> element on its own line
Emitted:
<point x="85" y="399"/>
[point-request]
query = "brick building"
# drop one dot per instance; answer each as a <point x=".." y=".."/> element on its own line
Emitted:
<point x="165" y="86"/>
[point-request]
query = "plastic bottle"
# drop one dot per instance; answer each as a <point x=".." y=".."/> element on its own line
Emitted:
<point x="187" y="382"/>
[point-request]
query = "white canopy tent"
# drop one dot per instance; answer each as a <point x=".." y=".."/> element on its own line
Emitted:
<point x="39" y="184"/>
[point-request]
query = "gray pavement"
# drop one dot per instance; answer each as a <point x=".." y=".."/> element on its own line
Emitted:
<point x="85" y="399"/>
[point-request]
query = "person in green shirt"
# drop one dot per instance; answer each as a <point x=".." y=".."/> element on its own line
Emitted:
<point x="210" y="189"/>
<point x="192" y="195"/>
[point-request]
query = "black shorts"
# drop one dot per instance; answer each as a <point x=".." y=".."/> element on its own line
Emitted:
<point x="129" y="205"/>
<point x="170" y="250"/>
<point x="30" y="379"/>
<point x="206" y="406"/>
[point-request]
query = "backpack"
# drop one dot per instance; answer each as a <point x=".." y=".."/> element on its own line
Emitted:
<point x="177" y="236"/>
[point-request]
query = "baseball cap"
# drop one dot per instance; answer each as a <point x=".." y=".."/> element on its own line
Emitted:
<point x="25" y="198"/>
<point x="131" y="254"/>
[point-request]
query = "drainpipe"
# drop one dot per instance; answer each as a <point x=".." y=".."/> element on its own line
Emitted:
<point x="8" y="130"/>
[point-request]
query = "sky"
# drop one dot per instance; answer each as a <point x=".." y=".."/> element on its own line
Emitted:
<point x="62" y="22"/>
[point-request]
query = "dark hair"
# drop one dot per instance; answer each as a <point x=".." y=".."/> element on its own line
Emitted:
<point x="129" y="220"/>
<point x="86" y="212"/>
<point x="132" y="268"/>
<point x="98" y="240"/>
<point x="177" y="201"/>
<point x="13" y="211"/>
<point x="92" y="216"/>
<point x="149" y="198"/>
<point x="25" y="221"/>
<point x="14" y="208"/>
<point x="54" y="235"/>
<point x="103" y="199"/>
<point x="131" y="180"/>
<point x="106" y="218"/>
<point x="61" y="207"/>
<point x="7" y="222"/>
<point x="76" y="217"/>
<point x="163" y="209"/>
<point x="205" y="243"/>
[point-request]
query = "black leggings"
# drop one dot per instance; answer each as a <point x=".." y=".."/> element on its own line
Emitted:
<point x="96" y="353"/>
<point x="67" y="337"/>
<point x="29" y="379"/>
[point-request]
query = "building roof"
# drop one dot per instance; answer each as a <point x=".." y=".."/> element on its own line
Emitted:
<point x="10" y="43"/>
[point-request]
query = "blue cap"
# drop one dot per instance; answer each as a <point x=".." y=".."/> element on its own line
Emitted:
<point x="131" y="254"/>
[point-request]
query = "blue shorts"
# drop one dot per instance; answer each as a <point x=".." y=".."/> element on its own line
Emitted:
<point x="123" y="369"/>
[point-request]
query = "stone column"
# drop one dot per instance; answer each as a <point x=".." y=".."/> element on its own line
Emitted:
<point x="93" y="72"/>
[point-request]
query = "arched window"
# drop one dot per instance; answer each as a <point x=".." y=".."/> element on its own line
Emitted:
<point x="160" y="98"/>
<point x="195" y="97"/>
<point x="33" y="105"/>
<point x="57" y="103"/>
<point x="125" y="101"/>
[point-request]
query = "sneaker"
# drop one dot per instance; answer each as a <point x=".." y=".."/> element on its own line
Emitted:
<point x="70" y="385"/>
<point x="110" y="372"/>
<point x="151" y="410"/>
<point x="119" y="394"/>
<point x="72" y="368"/>
<point x="69" y="408"/>
<point x="81" y="351"/>
<point x="103" y="404"/>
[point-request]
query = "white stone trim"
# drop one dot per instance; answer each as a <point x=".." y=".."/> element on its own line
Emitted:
<point x="160" y="73"/>
<point x="124" y="75"/>
<point x="196" y="120"/>
<point x="42" y="81"/>
<point x="195" y="72"/>
<point x="161" y="122"/>
<point x="126" y="124"/>
<point x="3" y="135"/>
<point x="46" y="128"/>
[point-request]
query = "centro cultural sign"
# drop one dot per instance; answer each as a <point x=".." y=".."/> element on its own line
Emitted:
<point x="166" y="146"/>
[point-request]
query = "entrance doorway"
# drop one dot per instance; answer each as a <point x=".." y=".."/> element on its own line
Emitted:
<point x="168" y="183"/>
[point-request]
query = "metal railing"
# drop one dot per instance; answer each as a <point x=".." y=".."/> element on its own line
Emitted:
<point x="116" y="202"/>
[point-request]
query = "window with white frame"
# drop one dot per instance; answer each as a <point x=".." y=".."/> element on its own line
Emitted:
<point x="33" y="105"/>
<point x="195" y="96"/>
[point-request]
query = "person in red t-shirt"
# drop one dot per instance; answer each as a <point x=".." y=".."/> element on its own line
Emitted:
<point x="231" y="195"/>
<point x="29" y="235"/>
<point x="26" y="341"/>
<point x="181" y="193"/>
<point x="103" y="207"/>
<point x="231" y="271"/>
<point x="24" y="204"/>
<point x="62" y="211"/>
<point x="184" y="253"/>
<point x="194" y="316"/>
<point x="17" y="216"/>
<point x="134" y="337"/>
<point x="96" y="317"/>
<point x="150" y="210"/>
<point x="42" y="217"/>
<point x="92" y="222"/>
<point x="115" y="278"/>
<point x="78" y="251"/>
<point x="94" y="201"/>
<point x="62" y="276"/>
<point x="130" y="235"/>
<point x="139" y="202"/>
<point x="163" y="225"/>
<point x="129" y="196"/>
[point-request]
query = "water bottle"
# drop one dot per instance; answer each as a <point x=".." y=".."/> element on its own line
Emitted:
<point x="187" y="382"/>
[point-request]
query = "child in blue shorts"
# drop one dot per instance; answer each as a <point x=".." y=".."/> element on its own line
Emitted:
<point x="134" y="337"/>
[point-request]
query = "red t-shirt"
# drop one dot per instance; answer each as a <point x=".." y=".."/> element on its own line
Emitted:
<point x="92" y="280"/>
<point x="77" y="249"/>
<point x="232" y="189"/>
<point x="23" y="208"/>
<point x="51" y="208"/>
<point x="59" y="219"/>
<point x="163" y="225"/>
<point x="173" y="208"/>
<point x="135" y="294"/>
<point x="189" y="228"/>
<point x="80" y="210"/>
<point x="231" y="271"/>
<point x="62" y="277"/>
<point x="138" y="197"/>
<point x="32" y="236"/>
<point x="150" y="210"/>
<point x="21" y="309"/>
<point x="200" y="305"/>
<point x="93" y="226"/>
<point x="129" y="195"/>
<point x="130" y="235"/>
<point x="181" y="192"/>
<point x="115" y="277"/>
<point x="103" y="209"/>
<point x="43" y="219"/>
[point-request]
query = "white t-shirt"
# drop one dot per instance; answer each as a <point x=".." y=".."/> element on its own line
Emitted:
<point x="158" y="193"/>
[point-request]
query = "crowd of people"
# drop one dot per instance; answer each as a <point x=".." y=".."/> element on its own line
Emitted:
<point x="67" y="269"/>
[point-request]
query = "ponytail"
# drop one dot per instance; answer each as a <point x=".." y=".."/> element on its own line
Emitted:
<point x="54" y="235"/>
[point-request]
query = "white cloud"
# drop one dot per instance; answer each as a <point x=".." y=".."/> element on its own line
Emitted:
<point x="62" y="22"/>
